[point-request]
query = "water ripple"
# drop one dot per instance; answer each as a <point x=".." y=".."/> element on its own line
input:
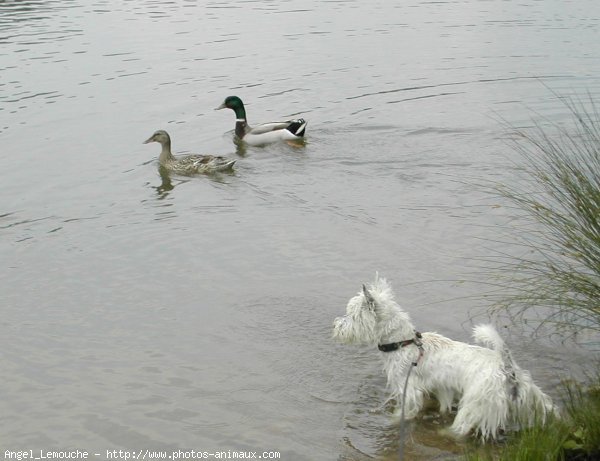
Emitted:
<point x="468" y="82"/>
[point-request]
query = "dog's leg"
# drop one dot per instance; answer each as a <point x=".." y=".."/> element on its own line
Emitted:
<point x="445" y="398"/>
<point x="483" y="415"/>
<point x="531" y="404"/>
<point x="413" y="403"/>
<point x="462" y="424"/>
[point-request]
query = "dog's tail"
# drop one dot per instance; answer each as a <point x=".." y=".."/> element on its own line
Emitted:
<point x="488" y="336"/>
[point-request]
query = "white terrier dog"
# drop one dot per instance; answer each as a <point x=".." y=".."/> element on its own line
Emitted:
<point x="493" y="393"/>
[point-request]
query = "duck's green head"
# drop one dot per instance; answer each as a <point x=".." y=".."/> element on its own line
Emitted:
<point x="234" y="103"/>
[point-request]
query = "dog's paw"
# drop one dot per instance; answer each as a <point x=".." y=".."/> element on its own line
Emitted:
<point x="448" y="433"/>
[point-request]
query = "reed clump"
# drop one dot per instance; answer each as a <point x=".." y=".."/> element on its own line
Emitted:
<point x="552" y="272"/>
<point x="557" y="270"/>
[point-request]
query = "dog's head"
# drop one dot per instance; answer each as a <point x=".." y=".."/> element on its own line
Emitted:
<point x="371" y="315"/>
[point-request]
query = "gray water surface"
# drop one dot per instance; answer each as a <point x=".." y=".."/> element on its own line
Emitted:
<point x="146" y="311"/>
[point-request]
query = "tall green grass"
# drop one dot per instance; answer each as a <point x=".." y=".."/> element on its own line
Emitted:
<point x="553" y="267"/>
<point x="557" y="267"/>
<point x="537" y="443"/>
<point x="582" y="406"/>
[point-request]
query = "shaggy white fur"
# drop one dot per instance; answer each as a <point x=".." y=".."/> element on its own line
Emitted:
<point x="492" y="392"/>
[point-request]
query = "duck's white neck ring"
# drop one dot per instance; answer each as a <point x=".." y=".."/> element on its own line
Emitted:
<point x="240" y="119"/>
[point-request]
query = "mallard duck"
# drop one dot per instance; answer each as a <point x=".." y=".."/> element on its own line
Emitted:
<point x="188" y="164"/>
<point x="266" y="133"/>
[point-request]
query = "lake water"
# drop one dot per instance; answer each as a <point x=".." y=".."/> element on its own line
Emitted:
<point x="142" y="311"/>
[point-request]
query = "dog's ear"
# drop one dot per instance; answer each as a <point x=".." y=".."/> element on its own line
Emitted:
<point x="368" y="297"/>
